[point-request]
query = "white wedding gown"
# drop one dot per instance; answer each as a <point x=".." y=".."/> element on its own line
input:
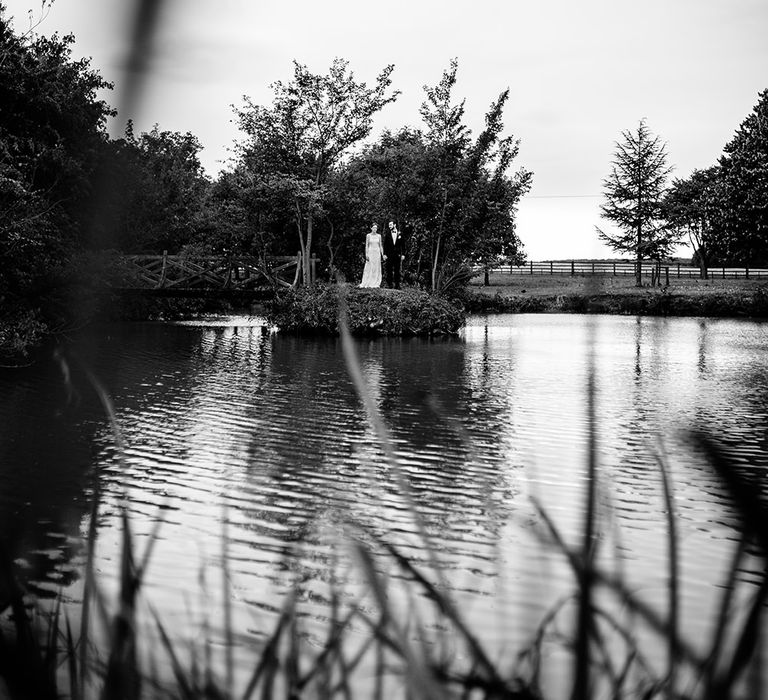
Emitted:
<point x="372" y="269"/>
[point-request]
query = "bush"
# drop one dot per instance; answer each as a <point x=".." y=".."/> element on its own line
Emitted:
<point x="725" y="304"/>
<point x="369" y="311"/>
<point x="20" y="330"/>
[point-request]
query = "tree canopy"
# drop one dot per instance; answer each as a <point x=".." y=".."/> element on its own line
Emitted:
<point x="293" y="144"/>
<point x="724" y="208"/>
<point x="740" y="230"/>
<point x="305" y="175"/>
<point x="689" y="208"/>
<point x="52" y="127"/>
<point x="153" y="192"/>
<point x="634" y="193"/>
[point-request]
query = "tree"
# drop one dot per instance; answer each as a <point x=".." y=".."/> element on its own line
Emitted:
<point x="474" y="198"/>
<point x="451" y="195"/>
<point x="153" y="192"/>
<point x="740" y="219"/>
<point x="634" y="194"/>
<point x="689" y="207"/>
<point x="313" y="122"/>
<point x="52" y="127"/>
<point x="390" y="179"/>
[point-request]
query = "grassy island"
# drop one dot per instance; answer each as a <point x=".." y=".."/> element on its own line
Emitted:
<point x="369" y="311"/>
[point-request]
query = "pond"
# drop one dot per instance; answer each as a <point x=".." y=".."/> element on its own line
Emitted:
<point x="231" y="443"/>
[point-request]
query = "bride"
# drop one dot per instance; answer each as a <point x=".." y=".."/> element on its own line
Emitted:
<point x="373" y="257"/>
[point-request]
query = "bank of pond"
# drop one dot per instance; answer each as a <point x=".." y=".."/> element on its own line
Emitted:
<point x="408" y="312"/>
<point x="415" y="312"/>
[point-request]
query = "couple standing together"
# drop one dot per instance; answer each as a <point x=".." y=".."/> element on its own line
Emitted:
<point x="388" y="248"/>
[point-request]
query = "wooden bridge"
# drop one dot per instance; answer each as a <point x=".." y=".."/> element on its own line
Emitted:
<point x="233" y="277"/>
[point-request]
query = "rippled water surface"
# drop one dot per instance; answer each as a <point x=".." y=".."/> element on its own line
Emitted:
<point x="234" y="434"/>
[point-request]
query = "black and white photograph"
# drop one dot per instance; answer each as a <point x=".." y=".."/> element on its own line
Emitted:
<point x="397" y="351"/>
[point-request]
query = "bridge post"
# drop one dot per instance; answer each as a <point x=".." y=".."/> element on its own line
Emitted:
<point x="299" y="268"/>
<point x="228" y="280"/>
<point x="161" y="283"/>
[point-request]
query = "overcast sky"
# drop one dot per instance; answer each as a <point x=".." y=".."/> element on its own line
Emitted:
<point x="579" y="72"/>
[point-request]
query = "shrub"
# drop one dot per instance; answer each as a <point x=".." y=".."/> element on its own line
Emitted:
<point x="369" y="311"/>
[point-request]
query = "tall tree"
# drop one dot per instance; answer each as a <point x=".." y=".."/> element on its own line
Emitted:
<point x="474" y="197"/>
<point x="634" y="193"/>
<point x="52" y="127"/>
<point x="741" y="218"/>
<point x="314" y="120"/>
<point x="153" y="193"/>
<point x="689" y="206"/>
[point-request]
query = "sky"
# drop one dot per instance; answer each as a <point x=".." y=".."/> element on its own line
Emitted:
<point x="579" y="73"/>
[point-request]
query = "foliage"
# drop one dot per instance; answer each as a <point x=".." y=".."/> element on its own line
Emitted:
<point x="452" y="197"/>
<point x="725" y="303"/>
<point x="724" y="208"/>
<point x="633" y="198"/>
<point x="152" y="193"/>
<point x="740" y="226"/>
<point x="242" y="217"/>
<point x="369" y="312"/>
<point x="389" y="180"/>
<point x="473" y="199"/>
<point x="689" y="207"/>
<point x="292" y="146"/>
<point x="51" y="132"/>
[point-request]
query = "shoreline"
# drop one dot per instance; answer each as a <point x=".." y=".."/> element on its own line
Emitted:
<point x="383" y="312"/>
<point x="610" y="295"/>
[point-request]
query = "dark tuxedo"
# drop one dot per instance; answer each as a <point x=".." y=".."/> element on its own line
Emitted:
<point x="394" y="250"/>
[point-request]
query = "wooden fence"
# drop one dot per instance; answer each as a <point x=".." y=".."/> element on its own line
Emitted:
<point x="618" y="268"/>
<point x="179" y="273"/>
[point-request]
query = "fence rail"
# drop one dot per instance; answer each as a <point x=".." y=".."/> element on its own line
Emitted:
<point x="619" y="268"/>
<point x="187" y="274"/>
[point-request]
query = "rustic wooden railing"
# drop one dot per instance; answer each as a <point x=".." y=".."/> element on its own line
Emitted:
<point x="618" y="268"/>
<point x="186" y="275"/>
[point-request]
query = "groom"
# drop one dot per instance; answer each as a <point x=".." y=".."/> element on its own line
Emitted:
<point x="393" y="255"/>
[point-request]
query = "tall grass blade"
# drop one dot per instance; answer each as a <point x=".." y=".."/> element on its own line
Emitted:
<point x="724" y="612"/>
<point x="331" y="648"/>
<point x="745" y="647"/>
<point x="493" y="679"/>
<point x="381" y="430"/>
<point x="378" y="688"/>
<point x="74" y="689"/>
<point x="123" y="680"/>
<point x="178" y="670"/>
<point x="753" y="513"/>
<point x="620" y="589"/>
<point x="674" y="576"/>
<point x="418" y="677"/>
<point x="291" y="666"/>
<point x="22" y="662"/>
<point x="268" y="662"/>
<point x="581" y="688"/>
<point x="89" y="583"/>
<point x="227" y="601"/>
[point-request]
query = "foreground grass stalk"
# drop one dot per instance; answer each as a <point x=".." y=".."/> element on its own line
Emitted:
<point x="673" y="577"/>
<point x="582" y="663"/>
<point x="227" y="601"/>
<point x="753" y="512"/>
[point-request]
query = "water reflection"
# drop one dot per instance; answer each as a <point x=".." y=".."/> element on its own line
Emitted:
<point x="229" y="421"/>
